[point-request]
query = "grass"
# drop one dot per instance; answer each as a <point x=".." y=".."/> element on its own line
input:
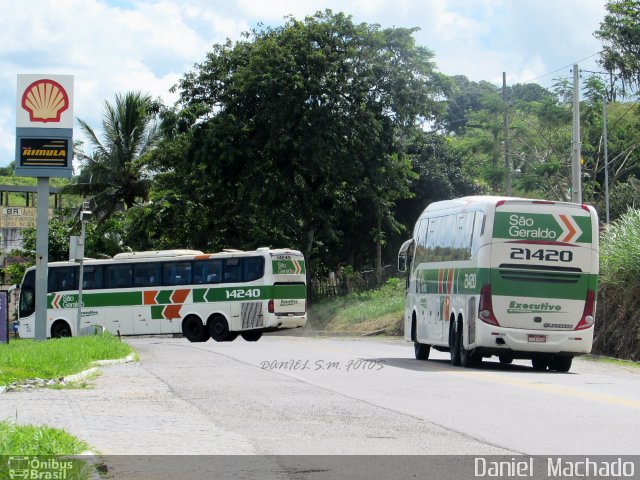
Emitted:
<point x="620" y="252"/>
<point x="37" y="440"/>
<point x="362" y="312"/>
<point x="25" y="359"/>
<point x="613" y="361"/>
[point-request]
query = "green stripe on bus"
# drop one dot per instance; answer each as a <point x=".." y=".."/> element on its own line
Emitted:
<point x="249" y="293"/>
<point x="156" y="312"/>
<point x="511" y="282"/>
<point x="111" y="299"/>
<point x="539" y="226"/>
<point x="288" y="267"/>
<point x="200" y="295"/>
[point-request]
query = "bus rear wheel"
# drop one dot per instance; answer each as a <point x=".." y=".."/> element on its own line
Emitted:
<point x="421" y="351"/>
<point x="219" y="328"/>
<point x="540" y="364"/>
<point x="560" y="364"/>
<point x="231" y="337"/>
<point x="454" y="345"/>
<point x="193" y="330"/>
<point x="468" y="358"/>
<point x="60" y="329"/>
<point x="252" y="335"/>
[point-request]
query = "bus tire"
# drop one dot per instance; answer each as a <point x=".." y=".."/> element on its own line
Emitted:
<point x="60" y="329"/>
<point x="218" y="328"/>
<point x="540" y="364"/>
<point x="252" y="335"/>
<point x="468" y="358"/>
<point x="421" y="351"/>
<point x="454" y="339"/>
<point x="231" y="337"/>
<point x="505" y="359"/>
<point x="193" y="329"/>
<point x="560" y="364"/>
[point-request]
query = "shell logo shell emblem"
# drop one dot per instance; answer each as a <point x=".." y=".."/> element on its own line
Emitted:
<point x="45" y="100"/>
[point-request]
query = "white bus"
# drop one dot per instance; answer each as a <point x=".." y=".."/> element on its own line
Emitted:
<point x="511" y="277"/>
<point x="199" y="295"/>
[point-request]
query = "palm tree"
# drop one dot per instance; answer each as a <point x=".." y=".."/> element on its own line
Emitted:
<point x="114" y="174"/>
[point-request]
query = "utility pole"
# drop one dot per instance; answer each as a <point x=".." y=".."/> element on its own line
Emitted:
<point x="576" y="174"/>
<point x="606" y="155"/>
<point x="507" y="163"/>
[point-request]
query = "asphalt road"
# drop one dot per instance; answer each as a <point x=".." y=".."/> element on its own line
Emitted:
<point x="290" y="395"/>
<point x="296" y="395"/>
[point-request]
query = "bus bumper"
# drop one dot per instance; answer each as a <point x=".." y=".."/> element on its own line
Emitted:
<point x="286" y="321"/>
<point x="520" y="343"/>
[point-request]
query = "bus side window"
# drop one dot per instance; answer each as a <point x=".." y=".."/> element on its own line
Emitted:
<point x="118" y="276"/>
<point x="62" y="278"/>
<point x="478" y="227"/>
<point x="430" y="252"/>
<point x="207" y="271"/>
<point x="176" y="273"/>
<point x="253" y="268"/>
<point x="232" y="270"/>
<point x="146" y="274"/>
<point x="92" y="277"/>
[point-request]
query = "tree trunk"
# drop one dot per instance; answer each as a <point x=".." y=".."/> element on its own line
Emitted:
<point x="379" y="249"/>
<point x="307" y="257"/>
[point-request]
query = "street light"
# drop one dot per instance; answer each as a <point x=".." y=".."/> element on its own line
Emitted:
<point x="84" y="214"/>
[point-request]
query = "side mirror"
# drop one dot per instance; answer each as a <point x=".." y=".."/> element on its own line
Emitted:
<point x="402" y="262"/>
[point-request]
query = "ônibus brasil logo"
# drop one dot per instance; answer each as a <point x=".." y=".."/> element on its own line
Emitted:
<point x="27" y="467"/>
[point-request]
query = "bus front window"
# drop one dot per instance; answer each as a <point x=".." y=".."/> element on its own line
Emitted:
<point x="27" y="302"/>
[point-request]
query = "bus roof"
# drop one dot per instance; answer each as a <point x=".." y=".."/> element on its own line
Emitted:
<point x="481" y="202"/>
<point x="178" y="255"/>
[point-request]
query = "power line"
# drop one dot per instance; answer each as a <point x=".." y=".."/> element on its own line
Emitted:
<point x="563" y="68"/>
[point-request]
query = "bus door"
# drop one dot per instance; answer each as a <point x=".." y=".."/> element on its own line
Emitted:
<point x="542" y="265"/>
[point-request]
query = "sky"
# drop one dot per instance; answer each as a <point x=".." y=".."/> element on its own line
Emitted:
<point x="115" y="46"/>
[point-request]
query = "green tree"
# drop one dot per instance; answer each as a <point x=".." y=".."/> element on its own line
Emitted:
<point x="113" y="174"/>
<point x="620" y="33"/>
<point x="295" y="127"/>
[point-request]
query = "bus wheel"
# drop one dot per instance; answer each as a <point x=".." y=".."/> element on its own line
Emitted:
<point x="505" y="359"/>
<point x="421" y="351"/>
<point x="60" y="329"/>
<point x="560" y="364"/>
<point x="468" y="358"/>
<point x="540" y="364"/>
<point x="454" y="339"/>
<point x="252" y="335"/>
<point x="193" y="329"/>
<point x="218" y="328"/>
<point x="231" y="337"/>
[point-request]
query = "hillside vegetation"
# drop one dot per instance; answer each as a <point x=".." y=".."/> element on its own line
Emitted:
<point x="618" y="314"/>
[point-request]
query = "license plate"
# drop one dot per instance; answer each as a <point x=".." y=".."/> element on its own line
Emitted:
<point x="537" y="338"/>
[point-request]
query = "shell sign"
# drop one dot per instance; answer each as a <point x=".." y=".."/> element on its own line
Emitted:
<point x="45" y="101"/>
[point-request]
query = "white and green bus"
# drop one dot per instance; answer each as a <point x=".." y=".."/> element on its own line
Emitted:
<point x="510" y="277"/>
<point x="202" y="296"/>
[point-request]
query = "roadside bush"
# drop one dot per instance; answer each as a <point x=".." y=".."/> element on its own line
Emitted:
<point x="617" y="332"/>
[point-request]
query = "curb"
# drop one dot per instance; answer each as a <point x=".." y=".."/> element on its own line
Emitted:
<point x="80" y="375"/>
<point x="98" y="363"/>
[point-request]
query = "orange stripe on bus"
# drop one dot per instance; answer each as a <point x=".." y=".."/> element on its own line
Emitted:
<point x="150" y="297"/>
<point x="179" y="296"/>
